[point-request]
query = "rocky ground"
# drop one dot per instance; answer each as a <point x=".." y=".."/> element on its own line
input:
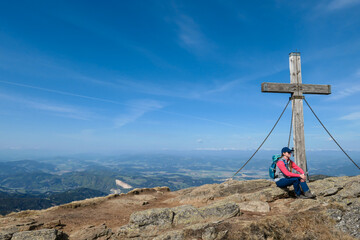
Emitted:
<point x="254" y="209"/>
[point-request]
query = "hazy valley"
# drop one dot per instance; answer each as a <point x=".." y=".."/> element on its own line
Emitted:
<point x="40" y="182"/>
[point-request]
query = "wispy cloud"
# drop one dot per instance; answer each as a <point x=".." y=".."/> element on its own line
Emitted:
<point x="243" y="79"/>
<point x="190" y="35"/>
<point x="341" y="4"/>
<point x="54" y="109"/>
<point x="352" y="116"/>
<point x="144" y="106"/>
<point x="138" y="109"/>
<point x="185" y="90"/>
<point x="349" y="87"/>
<point x="346" y="92"/>
<point x="331" y="6"/>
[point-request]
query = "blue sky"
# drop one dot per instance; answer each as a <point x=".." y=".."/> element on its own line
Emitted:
<point x="107" y="76"/>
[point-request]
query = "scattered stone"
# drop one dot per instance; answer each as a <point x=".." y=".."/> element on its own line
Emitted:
<point x="350" y="221"/>
<point x="335" y="214"/>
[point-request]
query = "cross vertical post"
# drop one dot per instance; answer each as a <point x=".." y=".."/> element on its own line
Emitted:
<point x="298" y="111"/>
<point x="296" y="88"/>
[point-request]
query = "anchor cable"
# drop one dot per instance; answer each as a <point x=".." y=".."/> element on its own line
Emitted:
<point x="292" y="116"/>
<point x="331" y="135"/>
<point x="264" y="140"/>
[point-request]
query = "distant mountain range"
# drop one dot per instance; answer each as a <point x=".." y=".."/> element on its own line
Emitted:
<point x="37" y="184"/>
<point x="10" y="202"/>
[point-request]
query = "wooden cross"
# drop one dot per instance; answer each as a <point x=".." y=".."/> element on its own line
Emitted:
<point x="297" y="89"/>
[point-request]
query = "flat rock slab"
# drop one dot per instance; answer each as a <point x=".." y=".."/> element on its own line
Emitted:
<point x="254" y="206"/>
<point x="44" y="234"/>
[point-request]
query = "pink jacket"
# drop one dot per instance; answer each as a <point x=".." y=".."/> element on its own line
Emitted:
<point x="286" y="172"/>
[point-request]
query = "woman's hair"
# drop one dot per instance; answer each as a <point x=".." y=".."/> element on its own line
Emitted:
<point x="290" y="163"/>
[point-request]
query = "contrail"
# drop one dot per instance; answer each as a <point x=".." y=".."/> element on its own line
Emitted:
<point x="113" y="102"/>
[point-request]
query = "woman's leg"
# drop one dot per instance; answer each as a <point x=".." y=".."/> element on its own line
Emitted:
<point x="284" y="182"/>
<point x="304" y="186"/>
<point x="306" y="190"/>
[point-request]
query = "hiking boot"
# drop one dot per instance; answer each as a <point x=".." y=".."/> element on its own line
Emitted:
<point x="301" y="197"/>
<point x="308" y="194"/>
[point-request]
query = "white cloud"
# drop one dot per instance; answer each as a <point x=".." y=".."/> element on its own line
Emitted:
<point x="351" y="116"/>
<point x="138" y="109"/>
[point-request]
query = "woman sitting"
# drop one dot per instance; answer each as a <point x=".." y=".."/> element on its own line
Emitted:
<point x="285" y="177"/>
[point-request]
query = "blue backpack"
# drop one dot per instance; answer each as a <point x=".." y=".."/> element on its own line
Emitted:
<point x="272" y="168"/>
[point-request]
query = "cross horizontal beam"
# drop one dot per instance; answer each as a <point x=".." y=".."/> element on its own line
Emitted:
<point x="294" y="87"/>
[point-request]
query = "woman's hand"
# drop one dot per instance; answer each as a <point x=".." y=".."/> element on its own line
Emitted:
<point x="303" y="177"/>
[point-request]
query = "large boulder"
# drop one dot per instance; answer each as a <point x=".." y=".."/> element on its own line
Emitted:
<point x="146" y="224"/>
<point x="351" y="190"/>
<point x="172" y="235"/>
<point x="334" y="185"/>
<point x="206" y="231"/>
<point x="220" y="210"/>
<point x="186" y="214"/>
<point x="152" y="223"/>
<point x="161" y="217"/>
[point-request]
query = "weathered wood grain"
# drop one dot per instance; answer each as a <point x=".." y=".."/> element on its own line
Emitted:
<point x="298" y="112"/>
<point x="294" y="87"/>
